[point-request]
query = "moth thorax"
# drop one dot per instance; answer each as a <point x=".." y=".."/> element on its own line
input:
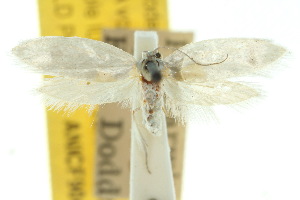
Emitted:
<point x="150" y="70"/>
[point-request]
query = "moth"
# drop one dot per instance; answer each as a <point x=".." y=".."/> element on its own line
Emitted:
<point x="94" y="73"/>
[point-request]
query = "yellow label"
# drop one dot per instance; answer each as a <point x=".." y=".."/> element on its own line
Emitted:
<point x="71" y="142"/>
<point x="85" y="18"/>
<point x="72" y="138"/>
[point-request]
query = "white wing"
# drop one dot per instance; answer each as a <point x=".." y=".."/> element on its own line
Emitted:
<point x="245" y="57"/>
<point x="188" y="85"/>
<point x="75" y="57"/>
<point x="181" y="97"/>
<point x="68" y="94"/>
<point x="87" y="71"/>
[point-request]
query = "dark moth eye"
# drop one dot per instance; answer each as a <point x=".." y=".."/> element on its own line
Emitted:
<point x="158" y="55"/>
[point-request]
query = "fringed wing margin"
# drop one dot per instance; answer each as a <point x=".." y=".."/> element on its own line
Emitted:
<point x="69" y="94"/>
<point x="184" y="100"/>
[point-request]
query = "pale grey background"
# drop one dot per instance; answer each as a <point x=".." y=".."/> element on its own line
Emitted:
<point x="253" y="154"/>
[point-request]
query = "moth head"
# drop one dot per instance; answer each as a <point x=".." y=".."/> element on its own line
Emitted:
<point x="150" y="66"/>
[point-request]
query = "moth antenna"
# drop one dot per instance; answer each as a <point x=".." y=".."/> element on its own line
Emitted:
<point x="192" y="59"/>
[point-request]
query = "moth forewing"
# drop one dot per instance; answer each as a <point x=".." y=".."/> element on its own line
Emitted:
<point x="74" y="57"/>
<point x="245" y="57"/>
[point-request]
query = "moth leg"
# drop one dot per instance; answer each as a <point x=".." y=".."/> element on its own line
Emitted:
<point x="141" y="131"/>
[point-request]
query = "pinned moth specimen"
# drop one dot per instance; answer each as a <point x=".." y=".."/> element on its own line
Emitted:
<point x="93" y="73"/>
